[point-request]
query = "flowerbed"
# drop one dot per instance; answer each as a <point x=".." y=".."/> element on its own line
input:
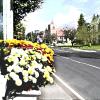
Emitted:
<point x="26" y="65"/>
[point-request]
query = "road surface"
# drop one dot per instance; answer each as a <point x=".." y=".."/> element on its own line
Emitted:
<point x="82" y="74"/>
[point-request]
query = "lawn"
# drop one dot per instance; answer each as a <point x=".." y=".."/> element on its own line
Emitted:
<point x="93" y="47"/>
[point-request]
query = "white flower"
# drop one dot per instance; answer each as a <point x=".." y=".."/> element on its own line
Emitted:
<point x="25" y="79"/>
<point x="17" y="69"/>
<point x="16" y="61"/>
<point x="39" y="66"/>
<point x="25" y="73"/>
<point x="10" y="68"/>
<point x="18" y="82"/>
<point x="14" y="76"/>
<point x="13" y="51"/>
<point x="34" y="80"/>
<point x="30" y="77"/>
<point x="49" y="69"/>
<point x="38" y="55"/>
<point x="44" y="58"/>
<point x="22" y="62"/>
<point x="36" y="74"/>
<point x="7" y="77"/>
<point x="33" y="63"/>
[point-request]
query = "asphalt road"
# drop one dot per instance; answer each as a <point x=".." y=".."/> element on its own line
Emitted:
<point x="82" y="74"/>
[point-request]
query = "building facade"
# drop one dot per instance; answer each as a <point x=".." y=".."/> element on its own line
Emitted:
<point x="58" y="32"/>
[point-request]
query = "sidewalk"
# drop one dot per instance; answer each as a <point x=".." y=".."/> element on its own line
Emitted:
<point x="53" y="92"/>
<point x="49" y="92"/>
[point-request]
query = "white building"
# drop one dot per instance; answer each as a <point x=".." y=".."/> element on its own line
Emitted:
<point x="7" y="20"/>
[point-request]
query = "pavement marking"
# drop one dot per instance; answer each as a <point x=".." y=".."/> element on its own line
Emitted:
<point x="82" y="62"/>
<point x="67" y="86"/>
<point x="62" y="50"/>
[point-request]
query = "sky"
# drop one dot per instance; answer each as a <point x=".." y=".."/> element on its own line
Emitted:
<point x="64" y="13"/>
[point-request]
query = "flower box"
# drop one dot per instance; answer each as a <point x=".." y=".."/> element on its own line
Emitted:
<point x="28" y="95"/>
<point x="25" y="65"/>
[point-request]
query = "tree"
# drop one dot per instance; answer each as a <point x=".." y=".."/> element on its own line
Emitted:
<point x="20" y="30"/>
<point x="47" y="37"/>
<point x="82" y="30"/>
<point x="70" y="33"/>
<point x="1" y="6"/>
<point x="66" y="33"/>
<point x="31" y="37"/>
<point x="22" y="7"/>
<point x="81" y="21"/>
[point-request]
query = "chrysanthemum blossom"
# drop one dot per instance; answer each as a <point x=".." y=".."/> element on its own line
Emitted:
<point x="18" y="82"/>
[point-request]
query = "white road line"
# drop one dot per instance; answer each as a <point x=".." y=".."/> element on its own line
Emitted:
<point x="68" y="87"/>
<point x="81" y="62"/>
<point x="63" y="50"/>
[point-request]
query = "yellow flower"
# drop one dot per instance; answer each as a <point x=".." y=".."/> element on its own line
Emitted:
<point x="50" y="79"/>
<point x="10" y="58"/>
<point x="36" y="45"/>
<point x="44" y="46"/>
<point x="50" y="58"/>
<point x="47" y="50"/>
<point x="31" y="71"/>
<point x="46" y="74"/>
<point x="1" y="41"/>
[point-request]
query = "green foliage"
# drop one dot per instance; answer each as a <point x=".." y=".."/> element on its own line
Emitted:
<point x="22" y="7"/>
<point x="48" y="38"/>
<point x="31" y="37"/>
<point x="70" y="33"/>
<point x="66" y="33"/>
<point x="81" y="21"/>
<point x="1" y="6"/>
<point x="83" y="30"/>
<point x="1" y="35"/>
<point x="20" y="28"/>
<point x="20" y="31"/>
<point x="54" y="37"/>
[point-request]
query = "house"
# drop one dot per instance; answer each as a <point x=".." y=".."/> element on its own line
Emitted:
<point x="53" y="30"/>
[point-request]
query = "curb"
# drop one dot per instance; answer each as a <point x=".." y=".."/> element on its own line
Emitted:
<point x="69" y="90"/>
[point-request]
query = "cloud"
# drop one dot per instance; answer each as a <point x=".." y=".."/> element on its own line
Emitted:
<point x="33" y="21"/>
<point x="69" y="17"/>
<point x="82" y="1"/>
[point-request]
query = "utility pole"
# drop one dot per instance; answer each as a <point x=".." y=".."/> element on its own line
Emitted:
<point x="7" y="20"/>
